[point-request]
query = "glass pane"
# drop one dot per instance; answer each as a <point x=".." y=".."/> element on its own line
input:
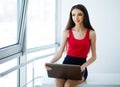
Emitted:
<point x="39" y="72"/>
<point x="40" y="53"/>
<point x="8" y="22"/>
<point x="9" y="80"/>
<point x="38" y="65"/>
<point x="40" y="23"/>
<point x="7" y="65"/>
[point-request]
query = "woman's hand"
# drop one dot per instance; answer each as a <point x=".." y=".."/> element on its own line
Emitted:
<point x="82" y="68"/>
<point x="48" y="68"/>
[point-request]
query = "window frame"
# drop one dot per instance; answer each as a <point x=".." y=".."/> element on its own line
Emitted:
<point x="17" y="48"/>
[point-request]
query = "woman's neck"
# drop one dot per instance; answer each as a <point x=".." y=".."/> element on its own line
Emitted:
<point x="79" y="28"/>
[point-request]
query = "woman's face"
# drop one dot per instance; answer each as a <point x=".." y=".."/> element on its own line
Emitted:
<point x="77" y="16"/>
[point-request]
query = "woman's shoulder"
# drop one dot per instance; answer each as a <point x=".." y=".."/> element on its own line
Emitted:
<point x="92" y="33"/>
<point x="66" y="33"/>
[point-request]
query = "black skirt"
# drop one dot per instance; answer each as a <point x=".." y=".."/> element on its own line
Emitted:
<point x="76" y="61"/>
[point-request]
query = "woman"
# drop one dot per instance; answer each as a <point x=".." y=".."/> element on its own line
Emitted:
<point x="79" y="37"/>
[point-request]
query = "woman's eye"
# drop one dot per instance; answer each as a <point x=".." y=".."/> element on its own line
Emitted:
<point x="73" y="14"/>
<point x="80" y="14"/>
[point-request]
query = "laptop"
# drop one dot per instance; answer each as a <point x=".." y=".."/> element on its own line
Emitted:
<point x="64" y="71"/>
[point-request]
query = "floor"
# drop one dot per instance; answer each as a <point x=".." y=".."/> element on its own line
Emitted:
<point x="93" y="80"/>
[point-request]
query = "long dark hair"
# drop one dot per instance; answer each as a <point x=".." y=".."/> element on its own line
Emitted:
<point x="86" y="21"/>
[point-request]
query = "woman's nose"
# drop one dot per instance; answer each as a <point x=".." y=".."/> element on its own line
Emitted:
<point x="76" y="18"/>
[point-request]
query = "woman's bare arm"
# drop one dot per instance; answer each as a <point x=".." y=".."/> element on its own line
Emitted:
<point x="93" y="50"/>
<point x="62" y="47"/>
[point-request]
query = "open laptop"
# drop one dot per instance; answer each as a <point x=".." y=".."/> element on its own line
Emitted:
<point x="64" y="71"/>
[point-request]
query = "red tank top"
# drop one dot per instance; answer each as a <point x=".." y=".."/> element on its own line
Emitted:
<point x="78" y="47"/>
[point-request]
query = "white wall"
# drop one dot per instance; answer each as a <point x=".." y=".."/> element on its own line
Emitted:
<point x="104" y="17"/>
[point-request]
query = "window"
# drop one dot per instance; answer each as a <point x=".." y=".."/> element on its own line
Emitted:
<point x="12" y="37"/>
<point x="40" y="23"/>
<point x="8" y="22"/>
<point x="12" y="27"/>
<point x="40" y="37"/>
